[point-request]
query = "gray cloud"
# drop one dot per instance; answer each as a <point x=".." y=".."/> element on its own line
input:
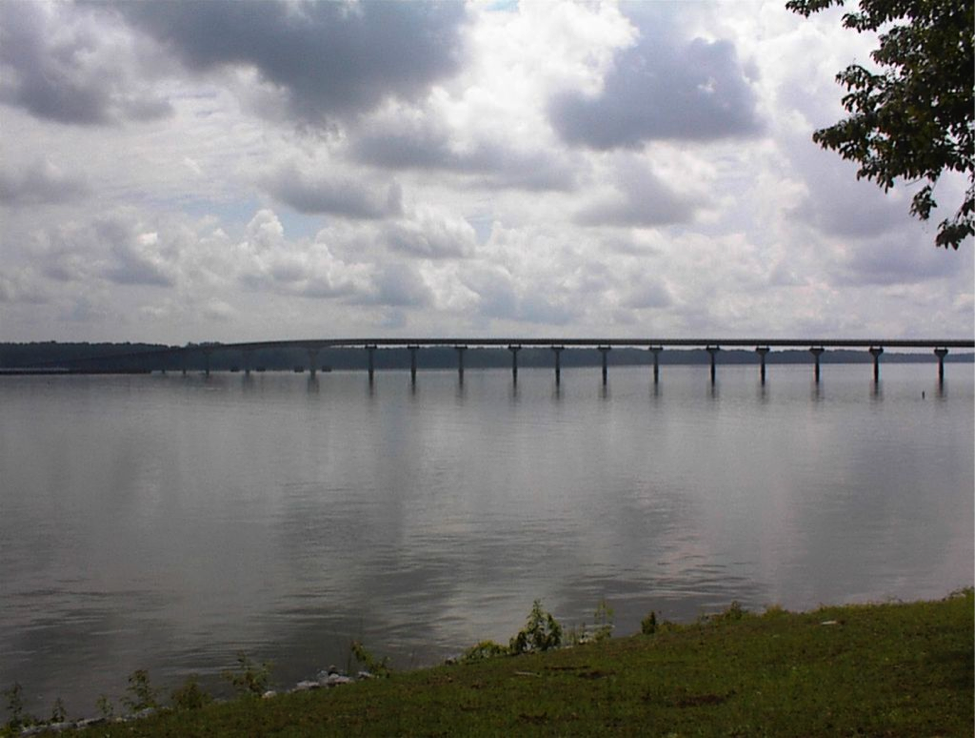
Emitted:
<point x="432" y="234"/>
<point x="330" y="59"/>
<point x="41" y="183"/>
<point x="499" y="299"/>
<point x="899" y="261"/>
<point x="333" y="195"/>
<point x="423" y="145"/>
<point x="59" y="63"/>
<point x="401" y="285"/>
<point x="648" y="293"/>
<point x="640" y="199"/>
<point x="662" y="89"/>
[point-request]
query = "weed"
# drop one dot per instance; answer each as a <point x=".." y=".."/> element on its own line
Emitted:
<point x="18" y="718"/>
<point x="105" y="708"/>
<point x="734" y="612"/>
<point x="251" y="679"/>
<point x="601" y="629"/>
<point x="143" y="694"/>
<point x="483" y="650"/>
<point x="541" y="633"/>
<point x="648" y="625"/>
<point x="58" y="713"/>
<point x="379" y="668"/>
<point x="190" y="696"/>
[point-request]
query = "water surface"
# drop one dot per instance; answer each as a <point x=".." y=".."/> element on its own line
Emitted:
<point x="165" y="522"/>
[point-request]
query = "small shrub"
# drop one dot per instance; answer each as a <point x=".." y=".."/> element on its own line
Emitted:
<point x="18" y="718"/>
<point x="734" y="612"/>
<point x="483" y="650"/>
<point x="648" y="625"/>
<point x="58" y="713"/>
<point x="379" y="668"/>
<point x="250" y="679"/>
<point x="601" y="629"/>
<point x="541" y="633"/>
<point x="143" y="695"/>
<point x="190" y="696"/>
<point x="105" y="708"/>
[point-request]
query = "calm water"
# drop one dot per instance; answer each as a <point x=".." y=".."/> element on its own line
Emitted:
<point x="167" y="522"/>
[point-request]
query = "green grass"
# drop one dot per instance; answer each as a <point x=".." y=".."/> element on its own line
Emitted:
<point x="879" y="670"/>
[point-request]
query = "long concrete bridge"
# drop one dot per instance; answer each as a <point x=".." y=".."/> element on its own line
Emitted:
<point x="713" y="346"/>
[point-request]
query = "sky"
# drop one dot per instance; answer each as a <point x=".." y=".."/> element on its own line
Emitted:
<point x="243" y="171"/>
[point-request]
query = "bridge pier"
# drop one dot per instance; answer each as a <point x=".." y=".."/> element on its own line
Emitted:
<point x="816" y="351"/>
<point x="762" y="351"/>
<point x="558" y="363"/>
<point x="941" y="353"/>
<point x="604" y="350"/>
<point x="656" y="363"/>
<point x="370" y="352"/>
<point x="413" y="349"/>
<point x="246" y="357"/>
<point x="460" y="362"/>
<point x="875" y="352"/>
<point x="514" y="349"/>
<point x="312" y="361"/>
<point x="206" y="362"/>
<point x="713" y="351"/>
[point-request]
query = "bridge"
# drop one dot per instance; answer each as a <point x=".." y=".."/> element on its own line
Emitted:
<point x="762" y="347"/>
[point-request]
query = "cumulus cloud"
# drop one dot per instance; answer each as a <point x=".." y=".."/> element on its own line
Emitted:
<point x="41" y="183"/>
<point x="330" y="60"/>
<point x="635" y="197"/>
<point x="661" y="88"/>
<point x="432" y="233"/>
<point x="898" y="260"/>
<point x="424" y="142"/>
<point x="71" y="65"/>
<point x="335" y="195"/>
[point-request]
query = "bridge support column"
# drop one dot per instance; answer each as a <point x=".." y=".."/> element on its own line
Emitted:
<point x="762" y="351"/>
<point x="816" y="351"/>
<point x="713" y="351"/>
<point x="514" y="362"/>
<point x="246" y="356"/>
<point x="605" y="351"/>
<point x="206" y="362"/>
<point x="312" y="362"/>
<point x="941" y="353"/>
<point x="558" y="363"/>
<point x="656" y="363"/>
<point x="460" y="361"/>
<point x="875" y="352"/>
<point x="413" y="349"/>
<point x="370" y="352"/>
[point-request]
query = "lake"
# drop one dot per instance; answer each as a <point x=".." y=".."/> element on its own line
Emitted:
<point x="166" y="522"/>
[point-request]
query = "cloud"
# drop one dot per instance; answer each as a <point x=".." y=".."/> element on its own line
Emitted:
<point x="70" y="65"/>
<point x="41" y="183"/>
<point x="661" y="89"/>
<point x="636" y="197"/>
<point x="432" y="233"/>
<point x="409" y="140"/>
<point x="894" y="261"/>
<point x="329" y="59"/>
<point x="500" y="297"/>
<point x="400" y="285"/>
<point x="335" y="195"/>
<point x="648" y="293"/>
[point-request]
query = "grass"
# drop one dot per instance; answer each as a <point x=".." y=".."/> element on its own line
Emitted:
<point x="876" y="670"/>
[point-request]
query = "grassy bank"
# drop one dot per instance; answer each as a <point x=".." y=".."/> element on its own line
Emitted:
<point x="894" y="669"/>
